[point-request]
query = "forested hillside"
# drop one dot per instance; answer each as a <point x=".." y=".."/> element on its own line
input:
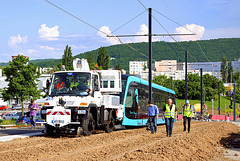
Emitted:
<point x="214" y="50"/>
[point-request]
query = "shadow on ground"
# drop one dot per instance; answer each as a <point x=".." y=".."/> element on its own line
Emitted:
<point x="232" y="141"/>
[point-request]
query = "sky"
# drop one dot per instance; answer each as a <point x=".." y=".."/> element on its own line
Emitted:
<point x="37" y="29"/>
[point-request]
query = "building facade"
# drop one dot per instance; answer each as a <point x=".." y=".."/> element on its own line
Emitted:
<point x="136" y="67"/>
<point x="166" y="66"/>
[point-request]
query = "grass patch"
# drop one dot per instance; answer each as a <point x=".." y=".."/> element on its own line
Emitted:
<point x="224" y="100"/>
<point x="8" y="122"/>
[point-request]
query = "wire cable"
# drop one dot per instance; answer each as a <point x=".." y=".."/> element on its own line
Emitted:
<point x="128" y="22"/>
<point x="167" y="32"/>
<point x="188" y="30"/>
<point x="96" y="28"/>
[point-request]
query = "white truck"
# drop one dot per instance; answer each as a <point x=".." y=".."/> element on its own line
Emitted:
<point x="81" y="101"/>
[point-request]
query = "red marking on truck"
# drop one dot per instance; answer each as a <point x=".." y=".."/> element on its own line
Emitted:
<point x="58" y="113"/>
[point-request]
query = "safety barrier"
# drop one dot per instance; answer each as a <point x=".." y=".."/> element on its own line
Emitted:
<point x="222" y="118"/>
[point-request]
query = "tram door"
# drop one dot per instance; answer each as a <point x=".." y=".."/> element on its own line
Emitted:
<point x="131" y="107"/>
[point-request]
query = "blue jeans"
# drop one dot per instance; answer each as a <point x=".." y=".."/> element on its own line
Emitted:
<point x="33" y="120"/>
<point x="153" y="124"/>
<point x="169" y="125"/>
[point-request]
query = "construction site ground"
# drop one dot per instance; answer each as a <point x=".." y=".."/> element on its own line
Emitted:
<point x="206" y="141"/>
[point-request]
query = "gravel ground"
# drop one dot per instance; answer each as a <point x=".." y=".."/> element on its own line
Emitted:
<point x="204" y="142"/>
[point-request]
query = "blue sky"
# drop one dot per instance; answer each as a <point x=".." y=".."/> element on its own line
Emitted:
<point x="36" y="29"/>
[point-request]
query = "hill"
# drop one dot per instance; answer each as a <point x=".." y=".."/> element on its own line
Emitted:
<point x="214" y="49"/>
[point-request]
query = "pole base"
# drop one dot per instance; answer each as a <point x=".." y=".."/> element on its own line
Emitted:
<point x="201" y="117"/>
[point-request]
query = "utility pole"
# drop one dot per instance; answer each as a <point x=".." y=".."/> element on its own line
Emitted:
<point x="219" y="98"/>
<point x="150" y="47"/>
<point x="201" y="92"/>
<point x="186" y="96"/>
<point x="234" y="95"/>
<point x="150" y="52"/>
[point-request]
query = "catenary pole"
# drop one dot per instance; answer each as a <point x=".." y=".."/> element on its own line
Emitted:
<point x="234" y="98"/>
<point x="201" y="91"/>
<point x="150" y="52"/>
<point x="219" y="98"/>
<point x="186" y="97"/>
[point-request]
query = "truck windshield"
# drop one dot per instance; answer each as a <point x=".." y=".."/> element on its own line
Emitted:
<point x="70" y="84"/>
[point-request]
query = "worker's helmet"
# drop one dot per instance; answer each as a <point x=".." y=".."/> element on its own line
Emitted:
<point x="187" y="101"/>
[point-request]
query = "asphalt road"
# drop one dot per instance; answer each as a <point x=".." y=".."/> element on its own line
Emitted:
<point x="18" y="131"/>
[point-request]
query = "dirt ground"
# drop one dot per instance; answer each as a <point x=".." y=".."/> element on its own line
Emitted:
<point x="204" y="142"/>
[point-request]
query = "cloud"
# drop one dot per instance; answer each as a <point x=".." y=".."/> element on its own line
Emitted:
<point x="199" y="30"/>
<point x="14" y="40"/>
<point x="47" y="48"/>
<point x="31" y="51"/>
<point x="47" y="33"/>
<point x="142" y="31"/>
<point x="111" y="40"/>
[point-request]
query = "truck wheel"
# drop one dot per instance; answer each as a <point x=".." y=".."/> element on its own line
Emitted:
<point x="88" y="125"/>
<point x="110" y="126"/>
<point x="48" y="131"/>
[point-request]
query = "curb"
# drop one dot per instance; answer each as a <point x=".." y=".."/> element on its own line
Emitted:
<point x="11" y="137"/>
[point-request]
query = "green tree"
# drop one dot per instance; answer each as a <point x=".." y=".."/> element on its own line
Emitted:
<point x="237" y="90"/>
<point x="67" y="58"/>
<point x="224" y="69"/>
<point x="103" y="58"/>
<point x="118" y="67"/>
<point x="90" y="61"/>
<point x="162" y="80"/>
<point x="236" y="75"/>
<point x="21" y="78"/>
<point x="230" y="72"/>
<point x="194" y="86"/>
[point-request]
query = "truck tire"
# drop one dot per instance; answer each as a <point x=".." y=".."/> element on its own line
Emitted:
<point x="48" y="131"/>
<point x="88" y="125"/>
<point x="110" y="127"/>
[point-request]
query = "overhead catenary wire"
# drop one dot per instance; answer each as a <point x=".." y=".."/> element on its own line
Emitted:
<point x="116" y="38"/>
<point x="168" y="32"/>
<point x="128" y="21"/>
<point x="186" y="29"/>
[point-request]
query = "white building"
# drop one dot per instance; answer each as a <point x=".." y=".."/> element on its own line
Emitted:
<point x="136" y="67"/>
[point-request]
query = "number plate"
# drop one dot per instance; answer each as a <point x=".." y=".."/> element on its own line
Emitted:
<point x="58" y="121"/>
<point x="81" y="111"/>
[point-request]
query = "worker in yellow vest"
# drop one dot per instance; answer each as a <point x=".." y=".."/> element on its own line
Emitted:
<point x="187" y="115"/>
<point x="169" y="114"/>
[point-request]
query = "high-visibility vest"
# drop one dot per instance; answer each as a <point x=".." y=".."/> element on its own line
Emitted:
<point x="60" y="86"/>
<point x="187" y="111"/>
<point x="170" y="113"/>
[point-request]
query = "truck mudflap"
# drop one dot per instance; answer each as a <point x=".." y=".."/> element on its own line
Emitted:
<point x="58" y="116"/>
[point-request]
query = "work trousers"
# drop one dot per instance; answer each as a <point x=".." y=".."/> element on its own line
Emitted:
<point x="186" y="119"/>
<point x="169" y="125"/>
<point x="153" y="124"/>
<point x="33" y="121"/>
